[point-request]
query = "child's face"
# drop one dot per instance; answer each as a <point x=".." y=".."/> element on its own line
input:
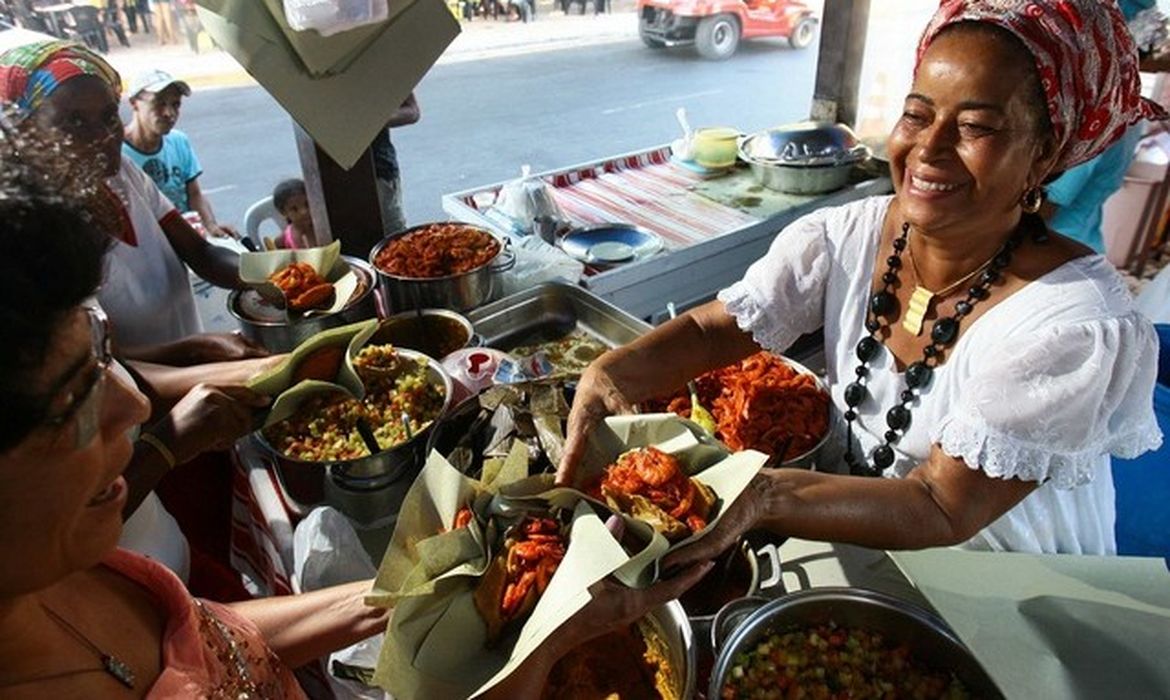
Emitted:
<point x="296" y="210"/>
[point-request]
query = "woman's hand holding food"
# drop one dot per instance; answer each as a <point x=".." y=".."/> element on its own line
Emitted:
<point x="656" y="364"/>
<point x="598" y="396"/>
<point x="612" y="607"/>
<point x="743" y="514"/>
<point x="208" y="418"/>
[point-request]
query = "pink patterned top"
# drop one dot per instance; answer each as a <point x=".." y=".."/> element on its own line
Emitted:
<point x="198" y="655"/>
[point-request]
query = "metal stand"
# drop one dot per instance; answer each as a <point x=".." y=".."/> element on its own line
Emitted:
<point x="344" y="202"/>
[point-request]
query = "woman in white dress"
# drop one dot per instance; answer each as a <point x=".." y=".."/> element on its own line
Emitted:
<point x="996" y="414"/>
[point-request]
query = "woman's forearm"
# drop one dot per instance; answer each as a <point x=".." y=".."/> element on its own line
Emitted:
<point x="672" y="354"/>
<point x="301" y="628"/>
<point x="169" y="384"/>
<point x="942" y="502"/>
<point x="147" y="467"/>
<point x="213" y="263"/>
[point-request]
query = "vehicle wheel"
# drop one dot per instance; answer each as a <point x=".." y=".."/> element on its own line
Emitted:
<point x="651" y="41"/>
<point x="802" y="36"/>
<point x="717" y="37"/>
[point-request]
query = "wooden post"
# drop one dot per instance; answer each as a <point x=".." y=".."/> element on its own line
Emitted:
<point x="842" y="50"/>
<point x="344" y="202"/>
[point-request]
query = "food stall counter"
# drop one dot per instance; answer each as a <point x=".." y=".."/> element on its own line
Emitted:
<point x="712" y="227"/>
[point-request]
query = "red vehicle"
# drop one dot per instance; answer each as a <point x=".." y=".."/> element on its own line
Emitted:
<point x="716" y="26"/>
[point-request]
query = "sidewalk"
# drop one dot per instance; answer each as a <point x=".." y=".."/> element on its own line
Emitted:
<point x="480" y="39"/>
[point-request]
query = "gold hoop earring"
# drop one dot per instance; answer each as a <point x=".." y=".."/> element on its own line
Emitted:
<point x="1032" y="199"/>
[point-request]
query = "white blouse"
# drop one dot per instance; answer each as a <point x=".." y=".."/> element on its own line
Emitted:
<point x="1044" y="386"/>
<point x="146" y="290"/>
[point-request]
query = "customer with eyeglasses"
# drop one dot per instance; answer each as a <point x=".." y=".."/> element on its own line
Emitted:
<point x="80" y="617"/>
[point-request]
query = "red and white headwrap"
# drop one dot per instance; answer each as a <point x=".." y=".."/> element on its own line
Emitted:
<point x="1086" y="60"/>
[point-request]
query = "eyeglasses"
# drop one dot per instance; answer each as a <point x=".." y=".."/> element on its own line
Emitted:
<point x="86" y="405"/>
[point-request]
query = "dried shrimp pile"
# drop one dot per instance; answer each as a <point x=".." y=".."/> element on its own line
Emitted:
<point x="760" y="403"/>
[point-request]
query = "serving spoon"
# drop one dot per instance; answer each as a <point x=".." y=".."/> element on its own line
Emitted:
<point x="700" y="415"/>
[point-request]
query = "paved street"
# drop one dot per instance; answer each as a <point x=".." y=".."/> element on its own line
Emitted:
<point x="483" y="118"/>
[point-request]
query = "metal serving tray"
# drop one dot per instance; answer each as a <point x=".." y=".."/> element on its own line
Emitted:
<point x="550" y="311"/>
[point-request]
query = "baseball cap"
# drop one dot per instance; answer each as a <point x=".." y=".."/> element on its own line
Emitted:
<point x="155" y="80"/>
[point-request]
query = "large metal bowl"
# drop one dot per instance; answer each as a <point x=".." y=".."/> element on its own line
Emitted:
<point x="460" y="292"/>
<point x="428" y="331"/>
<point x="803" y="158"/>
<point x="929" y="639"/>
<point x="281" y="334"/>
<point x="808" y="144"/>
<point x="670" y="624"/>
<point x="808" y="459"/>
<point x="304" y="481"/>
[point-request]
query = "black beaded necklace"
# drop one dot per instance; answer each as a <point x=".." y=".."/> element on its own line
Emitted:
<point x="943" y="334"/>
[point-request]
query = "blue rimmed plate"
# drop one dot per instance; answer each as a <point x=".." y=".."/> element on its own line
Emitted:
<point x="610" y="244"/>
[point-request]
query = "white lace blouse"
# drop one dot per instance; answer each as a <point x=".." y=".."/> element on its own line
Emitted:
<point x="1042" y="387"/>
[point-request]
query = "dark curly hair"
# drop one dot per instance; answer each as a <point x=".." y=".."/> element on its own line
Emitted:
<point x="285" y="191"/>
<point x="52" y="246"/>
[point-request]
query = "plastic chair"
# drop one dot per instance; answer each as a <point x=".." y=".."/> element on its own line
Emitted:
<point x="1143" y="484"/>
<point x="259" y="213"/>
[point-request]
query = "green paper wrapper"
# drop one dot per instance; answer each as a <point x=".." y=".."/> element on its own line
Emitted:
<point x="436" y="643"/>
<point x="705" y="459"/>
<point x="279" y="379"/>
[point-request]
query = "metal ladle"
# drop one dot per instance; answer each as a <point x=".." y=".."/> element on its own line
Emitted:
<point x="701" y="416"/>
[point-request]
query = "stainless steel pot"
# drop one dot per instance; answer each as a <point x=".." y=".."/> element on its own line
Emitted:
<point x="930" y="640"/>
<point x="800" y="179"/>
<point x="460" y="292"/>
<point x="422" y="330"/>
<point x="304" y="481"/>
<point x="738" y="574"/>
<point x="803" y="158"/>
<point x="671" y="622"/>
<point x="280" y="334"/>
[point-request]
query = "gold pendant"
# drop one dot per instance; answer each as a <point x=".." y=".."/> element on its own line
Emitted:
<point x="916" y="310"/>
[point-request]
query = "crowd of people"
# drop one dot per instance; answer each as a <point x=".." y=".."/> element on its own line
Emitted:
<point x="992" y="418"/>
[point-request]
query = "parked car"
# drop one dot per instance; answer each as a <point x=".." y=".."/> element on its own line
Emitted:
<point x="715" y="27"/>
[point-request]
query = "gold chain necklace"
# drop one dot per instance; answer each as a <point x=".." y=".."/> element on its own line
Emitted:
<point x="111" y="664"/>
<point x="922" y="298"/>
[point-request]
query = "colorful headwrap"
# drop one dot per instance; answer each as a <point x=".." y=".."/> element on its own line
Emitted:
<point x="1086" y="60"/>
<point x="29" y="74"/>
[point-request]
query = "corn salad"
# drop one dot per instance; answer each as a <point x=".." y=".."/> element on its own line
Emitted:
<point x="325" y="427"/>
<point x="826" y="662"/>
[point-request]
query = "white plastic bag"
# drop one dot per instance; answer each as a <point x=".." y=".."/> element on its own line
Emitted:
<point x="536" y="262"/>
<point x="327" y="552"/>
<point x="329" y="17"/>
<point x="527" y="198"/>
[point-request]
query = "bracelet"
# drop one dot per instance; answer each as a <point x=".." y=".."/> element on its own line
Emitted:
<point x="157" y="444"/>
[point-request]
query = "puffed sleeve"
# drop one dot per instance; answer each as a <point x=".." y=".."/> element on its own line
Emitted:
<point x="782" y="295"/>
<point x="1046" y="406"/>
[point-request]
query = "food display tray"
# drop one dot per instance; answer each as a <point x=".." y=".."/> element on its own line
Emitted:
<point x="551" y="311"/>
